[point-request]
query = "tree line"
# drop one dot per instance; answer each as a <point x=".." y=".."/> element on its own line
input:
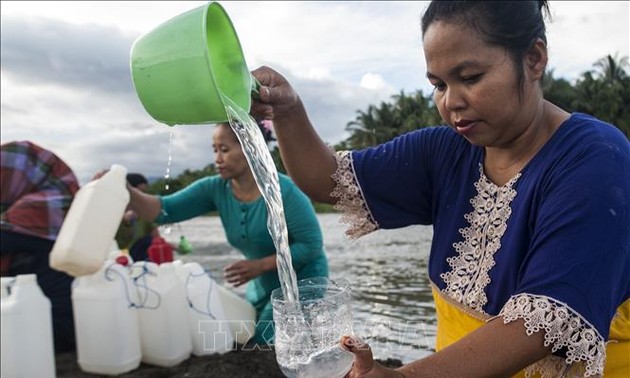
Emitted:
<point x="603" y="91"/>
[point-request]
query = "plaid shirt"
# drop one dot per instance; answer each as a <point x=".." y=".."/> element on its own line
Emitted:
<point x="37" y="188"/>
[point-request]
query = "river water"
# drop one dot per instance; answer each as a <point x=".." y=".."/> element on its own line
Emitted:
<point x="392" y="305"/>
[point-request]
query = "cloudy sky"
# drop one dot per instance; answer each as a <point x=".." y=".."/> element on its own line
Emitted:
<point x="66" y="83"/>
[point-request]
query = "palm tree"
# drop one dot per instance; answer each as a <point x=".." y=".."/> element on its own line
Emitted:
<point x="559" y="91"/>
<point x="376" y="125"/>
<point x="612" y="69"/>
<point x="415" y="111"/>
<point x="387" y="121"/>
<point x="605" y="92"/>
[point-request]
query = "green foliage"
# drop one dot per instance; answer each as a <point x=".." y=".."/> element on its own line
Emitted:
<point x="184" y="179"/>
<point x="275" y="154"/>
<point x="323" y="208"/>
<point x="558" y="91"/>
<point x="605" y="92"/>
<point x="380" y="124"/>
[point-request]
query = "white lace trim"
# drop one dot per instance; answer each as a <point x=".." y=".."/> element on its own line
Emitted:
<point x="351" y="201"/>
<point x="552" y="367"/>
<point x="468" y="278"/>
<point x="564" y="328"/>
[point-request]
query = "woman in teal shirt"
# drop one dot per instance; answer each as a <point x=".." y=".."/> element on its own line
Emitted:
<point x="233" y="193"/>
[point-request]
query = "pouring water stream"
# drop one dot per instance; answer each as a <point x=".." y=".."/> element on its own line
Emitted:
<point x="266" y="177"/>
<point x="301" y="353"/>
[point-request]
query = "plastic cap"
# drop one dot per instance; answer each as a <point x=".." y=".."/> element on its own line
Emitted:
<point x="122" y="260"/>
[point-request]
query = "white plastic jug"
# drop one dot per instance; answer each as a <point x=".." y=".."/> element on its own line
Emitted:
<point x="163" y="314"/>
<point x="106" y="321"/>
<point x="240" y="314"/>
<point x="209" y="330"/>
<point x="114" y="250"/>
<point x="26" y="332"/>
<point x="5" y="282"/>
<point x="86" y="235"/>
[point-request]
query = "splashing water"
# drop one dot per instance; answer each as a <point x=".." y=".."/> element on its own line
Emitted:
<point x="266" y="176"/>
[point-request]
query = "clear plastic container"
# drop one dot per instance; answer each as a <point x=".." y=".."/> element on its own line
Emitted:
<point x="26" y="332"/>
<point x="308" y="331"/>
<point x="106" y="321"/>
<point x="85" y="237"/>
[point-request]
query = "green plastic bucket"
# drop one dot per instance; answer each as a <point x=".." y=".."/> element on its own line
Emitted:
<point x="182" y="69"/>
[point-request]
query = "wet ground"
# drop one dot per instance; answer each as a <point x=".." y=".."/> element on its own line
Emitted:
<point x="234" y="364"/>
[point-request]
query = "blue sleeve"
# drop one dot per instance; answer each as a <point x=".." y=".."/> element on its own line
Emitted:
<point x="305" y="236"/>
<point x="398" y="179"/>
<point x="580" y="249"/>
<point x="194" y="200"/>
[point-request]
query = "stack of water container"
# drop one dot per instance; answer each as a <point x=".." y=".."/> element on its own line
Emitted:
<point x="125" y="312"/>
<point x="155" y="314"/>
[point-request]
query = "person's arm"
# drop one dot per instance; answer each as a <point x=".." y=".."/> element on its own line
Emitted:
<point x="195" y="199"/>
<point x="309" y="161"/>
<point x="243" y="271"/>
<point x="146" y="206"/>
<point x="493" y="350"/>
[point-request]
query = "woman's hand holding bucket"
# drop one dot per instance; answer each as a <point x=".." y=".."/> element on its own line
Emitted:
<point x="276" y="99"/>
<point x="310" y="162"/>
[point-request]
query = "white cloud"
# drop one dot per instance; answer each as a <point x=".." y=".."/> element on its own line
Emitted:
<point x="315" y="73"/>
<point x="581" y="32"/>
<point x="373" y="81"/>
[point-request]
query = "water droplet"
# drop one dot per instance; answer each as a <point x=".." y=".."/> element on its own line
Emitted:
<point x="167" y="174"/>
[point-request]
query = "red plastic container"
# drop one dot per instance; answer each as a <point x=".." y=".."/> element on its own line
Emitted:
<point x="160" y="251"/>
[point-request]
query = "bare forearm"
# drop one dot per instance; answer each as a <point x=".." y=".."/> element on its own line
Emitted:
<point x="494" y="350"/>
<point x="268" y="263"/>
<point x="309" y="161"/>
<point x="147" y="206"/>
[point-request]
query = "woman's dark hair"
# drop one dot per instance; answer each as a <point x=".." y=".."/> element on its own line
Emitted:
<point x="135" y="179"/>
<point x="513" y="25"/>
<point x="265" y="127"/>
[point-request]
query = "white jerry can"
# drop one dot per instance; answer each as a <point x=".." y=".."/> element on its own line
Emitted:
<point x="163" y="314"/>
<point x="85" y="237"/>
<point x="210" y="331"/>
<point x="106" y="321"/>
<point x="26" y="332"/>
